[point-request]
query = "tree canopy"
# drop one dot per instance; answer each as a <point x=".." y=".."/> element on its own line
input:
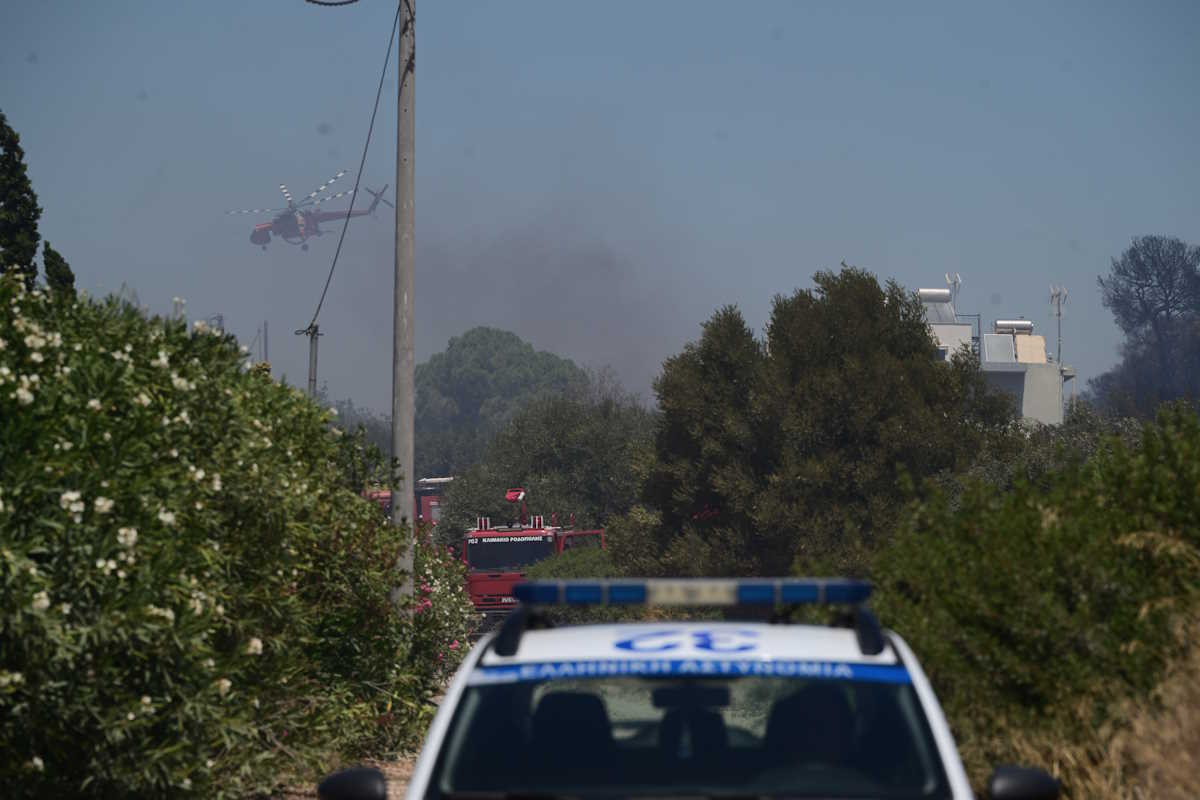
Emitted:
<point x="790" y="448"/>
<point x="574" y="455"/>
<point x="467" y="393"/>
<point x="59" y="276"/>
<point x="1153" y="291"/>
<point x="19" y="211"/>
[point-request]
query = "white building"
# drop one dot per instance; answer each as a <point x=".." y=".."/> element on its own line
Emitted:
<point x="1013" y="358"/>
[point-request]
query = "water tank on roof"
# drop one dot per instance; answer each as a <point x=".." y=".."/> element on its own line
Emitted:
<point x="934" y="295"/>
<point x="1014" y="326"/>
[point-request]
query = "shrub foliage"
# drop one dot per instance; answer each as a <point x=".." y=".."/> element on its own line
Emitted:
<point x="192" y="600"/>
<point x="1027" y="603"/>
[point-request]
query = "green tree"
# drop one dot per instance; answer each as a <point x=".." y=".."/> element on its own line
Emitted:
<point x="59" y="276"/>
<point x="466" y="394"/>
<point x="573" y="455"/>
<point x="19" y="211"/>
<point x="1153" y="291"/>
<point x="789" y="449"/>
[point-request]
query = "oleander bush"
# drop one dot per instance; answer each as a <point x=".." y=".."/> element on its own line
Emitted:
<point x="193" y="602"/>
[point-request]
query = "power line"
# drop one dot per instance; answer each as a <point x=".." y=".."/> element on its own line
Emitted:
<point x="362" y="162"/>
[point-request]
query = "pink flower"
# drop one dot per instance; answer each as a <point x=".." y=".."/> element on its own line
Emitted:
<point x="454" y="645"/>
<point x="426" y="588"/>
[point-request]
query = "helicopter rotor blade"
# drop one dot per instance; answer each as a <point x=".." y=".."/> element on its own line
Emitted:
<point x="323" y="187"/>
<point x="256" y="211"/>
<point x="317" y="203"/>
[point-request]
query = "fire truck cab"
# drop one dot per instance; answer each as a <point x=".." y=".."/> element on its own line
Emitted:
<point x="427" y="499"/>
<point x="498" y="558"/>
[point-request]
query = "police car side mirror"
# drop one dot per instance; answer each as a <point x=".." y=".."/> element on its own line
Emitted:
<point x="360" y="783"/>
<point x="1022" y="783"/>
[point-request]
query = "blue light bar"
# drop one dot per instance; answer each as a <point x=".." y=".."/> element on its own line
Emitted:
<point x="695" y="592"/>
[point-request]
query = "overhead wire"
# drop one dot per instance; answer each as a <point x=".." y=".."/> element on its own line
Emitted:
<point x="362" y="162"/>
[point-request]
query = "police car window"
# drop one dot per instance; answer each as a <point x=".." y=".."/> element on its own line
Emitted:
<point x="624" y="736"/>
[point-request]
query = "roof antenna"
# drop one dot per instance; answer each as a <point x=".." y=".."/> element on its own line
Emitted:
<point x="954" y="283"/>
<point x="1058" y="297"/>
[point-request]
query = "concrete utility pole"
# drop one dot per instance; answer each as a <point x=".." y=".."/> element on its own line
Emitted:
<point x="314" y="333"/>
<point x="266" y="352"/>
<point x="403" y="403"/>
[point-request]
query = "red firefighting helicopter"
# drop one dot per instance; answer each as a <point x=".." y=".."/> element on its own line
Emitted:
<point x="298" y="221"/>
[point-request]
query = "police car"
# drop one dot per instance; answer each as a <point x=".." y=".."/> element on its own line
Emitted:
<point x="690" y="709"/>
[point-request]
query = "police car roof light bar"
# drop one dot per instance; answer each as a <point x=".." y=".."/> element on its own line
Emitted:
<point x="695" y="592"/>
<point x="689" y="592"/>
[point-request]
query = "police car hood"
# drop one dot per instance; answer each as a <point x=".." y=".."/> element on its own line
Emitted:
<point x="690" y="641"/>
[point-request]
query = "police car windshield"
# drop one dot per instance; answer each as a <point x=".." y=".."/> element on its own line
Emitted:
<point x="668" y="735"/>
<point x="490" y="553"/>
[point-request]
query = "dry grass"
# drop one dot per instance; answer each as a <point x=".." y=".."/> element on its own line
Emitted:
<point x="1152" y="751"/>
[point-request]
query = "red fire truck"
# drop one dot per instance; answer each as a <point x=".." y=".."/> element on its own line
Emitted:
<point x="497" y="558"/>
<point x="427" y="499"/>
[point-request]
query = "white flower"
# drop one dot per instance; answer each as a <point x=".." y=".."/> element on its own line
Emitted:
<point x="127" y="537"/>
<point x="77" y="347"/>
<point x="198" y="475"/>
<point x="24" y="396"/>
<point x="142" y="399"/>
<point x="186" y="783"/>
<point x="38" y="764"/>
<point x="200" y="326"/>
<point x="34" y="342"/>
<point x="209" y="763"/>
<point x="165" y="613"/>
<point x="36" y="357"/>
<point x="145" y="700"/>
<point x="179" y="383"/>
<point x="94" y="404"/>
<point x="41" y="601"/>
<point x="173" y="453"/>
<point x="166" y="517"/>
<point x="66" y="445"/>
<point x="162" y="360"/>
<point x="208" y="662"/>
<point x="107" y="436"/>
<point x="197" y="606"/>
<point x="254" y="647"/>
<point x="129" y="716"/>
<point x="103" y="505"/>
<point x="333" y="412"/>
<point x="3" y="344"/>
<point x="68" y="499"/>
<point x="65" y="608"/>
<point x="224" y="685"/>
<point x="121" y="574"/>
<point x="183" y="417"/>
<point x="216" y="483"/>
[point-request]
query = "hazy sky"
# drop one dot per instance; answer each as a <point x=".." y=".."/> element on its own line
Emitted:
<point x="599" y="177"/>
